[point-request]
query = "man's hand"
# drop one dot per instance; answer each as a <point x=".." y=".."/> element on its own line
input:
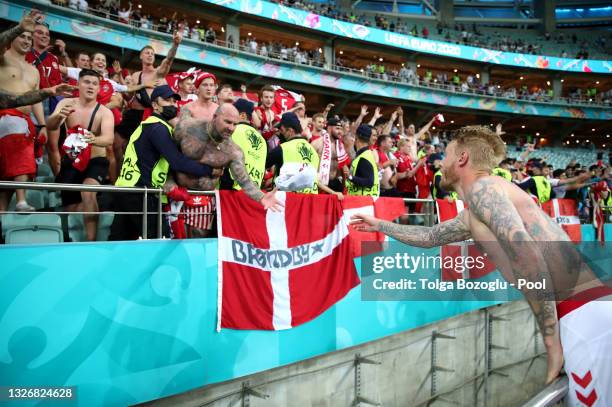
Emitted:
<point x="269" y="201"/>
<point x="88" y="136"/>
<point x="243" y="88"/>
<point x="339" y="195"/>
<point x="554" y="362"/>
<point x="329" y="107"/>
<point x="151" y="83"/>
<point x="365" y="223"/>
<point x="364" y="110"/>
<point x="346" y="171"/>
<point x="61" y="46"/>
<point x="67" y="110"/>
<point x="117" y="66"/>
<point x="498" y="129"/>
<point x="178" y="35"/>
<point x="63" y="89"/>
<point x="28" y="21"/>
<point x="377" y="113"/>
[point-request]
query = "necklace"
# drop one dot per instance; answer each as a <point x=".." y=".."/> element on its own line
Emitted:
<point x="217" y="143"/>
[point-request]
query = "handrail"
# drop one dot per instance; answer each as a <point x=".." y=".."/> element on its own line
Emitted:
<point x="551" y="394"/>
<point x="428" y="216"/>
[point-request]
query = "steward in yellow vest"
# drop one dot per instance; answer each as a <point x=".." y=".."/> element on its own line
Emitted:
<point x="364" y="171"/>
<point x="294" y="153"/>
<point x="150" y="154"/>
<point x="252" y="144"/>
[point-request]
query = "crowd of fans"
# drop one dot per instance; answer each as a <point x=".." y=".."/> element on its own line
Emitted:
<point x="546" y="44"/>
<point x="294" y="52"/>
<point x="117" y="129"/>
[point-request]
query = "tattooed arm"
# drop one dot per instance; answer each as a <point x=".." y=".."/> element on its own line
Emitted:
<point x="451" y="231"/>
<point x="9" y="100"/>
<point x="164" y="68"/>
<point x="490" y="204"/>
<point x="242" y="177"/>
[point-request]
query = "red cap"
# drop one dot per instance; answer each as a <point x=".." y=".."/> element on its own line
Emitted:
<point x="202" y="76"/>
<point x="600" y="186"/>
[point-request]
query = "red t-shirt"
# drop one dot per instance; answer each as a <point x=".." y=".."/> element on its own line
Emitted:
<point x="404" y="163"/>
<point x="48" y="68"/>
<point x="382" y="157"/>
<point x="424" y="177"/>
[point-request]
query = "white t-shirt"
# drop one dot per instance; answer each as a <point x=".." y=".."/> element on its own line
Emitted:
<point x="74" y="74"/>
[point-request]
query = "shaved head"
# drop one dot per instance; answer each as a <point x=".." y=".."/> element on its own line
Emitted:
<point x="225" y="119"/>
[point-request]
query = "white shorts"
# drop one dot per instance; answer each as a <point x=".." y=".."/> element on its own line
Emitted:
<point x="585" y="324"/>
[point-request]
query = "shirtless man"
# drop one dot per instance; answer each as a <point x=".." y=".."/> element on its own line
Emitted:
<point x="525" y="244"/>
<point x="18" y="132"/>
<point x="330" y="142"/>
<point x="226" y="94"/>
<point x="264" y="118"/>
<point x="95" y="123"/>
<point x="203" y="108"/>
<point x="318" y="127"/>
<point x="211" y="143"/>
<point x="142" y="100"/>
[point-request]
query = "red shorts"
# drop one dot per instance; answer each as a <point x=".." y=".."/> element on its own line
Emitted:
<point x="17" y="134"/>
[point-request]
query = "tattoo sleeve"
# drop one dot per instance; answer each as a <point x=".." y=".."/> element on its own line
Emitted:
<point x="6" y="37"/>
<point x="9" y="100"/>
<point x="242" y="177"/>
<point x="489" y="203"/>
<point x="454" y="230"/>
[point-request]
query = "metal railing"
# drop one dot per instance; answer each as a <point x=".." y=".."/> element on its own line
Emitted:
<point x="428" y="214"/>
<point x="321" y="64"/>
<point x="552" y="394"/>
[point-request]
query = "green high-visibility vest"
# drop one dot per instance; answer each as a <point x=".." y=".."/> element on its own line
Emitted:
<point x="607" y="203"/>
<point x="502" y="172"/>
<point x="543" y="188"/>
<point x="130" y="172"/>
<point x="353" y="189"/>
<point x="299" y="150"/>
<point x="434" y="191"/>
<point x="253" y="145"/>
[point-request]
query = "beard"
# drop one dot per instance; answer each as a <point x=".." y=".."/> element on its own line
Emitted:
<point x="448" y="180"/>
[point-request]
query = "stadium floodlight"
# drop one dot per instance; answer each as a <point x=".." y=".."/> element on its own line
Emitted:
<point x="592" y="129"/>
<point x="522" y="126"/>
<point x="537" y="134"/>
<point x="521" y="78"/>
<point x="597" y="83"/>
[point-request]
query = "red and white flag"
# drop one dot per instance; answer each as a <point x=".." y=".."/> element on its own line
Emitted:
<point x="281" y="269"/>
<point x="284" y="100"/>
<point x="565" y="213"/>
<point x="382" y="208"/>
<point x="447" y="211"/>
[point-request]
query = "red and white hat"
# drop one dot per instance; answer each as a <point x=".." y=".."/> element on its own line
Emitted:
<point x="202" y="76"/>
<point x="438" y="119"/>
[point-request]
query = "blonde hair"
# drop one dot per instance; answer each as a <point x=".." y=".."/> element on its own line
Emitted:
<point x="486" y="148"/>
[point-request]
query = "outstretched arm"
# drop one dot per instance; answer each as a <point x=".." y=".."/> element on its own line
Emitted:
<point x="490" y="204"/>
<point x="166" y="64"/>
<point x="9" y="100"/>
<point x="451" y="231"/>
<point x="27" y="23"/>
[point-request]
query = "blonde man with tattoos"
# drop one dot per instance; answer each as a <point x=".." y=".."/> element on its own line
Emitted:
<point x="527" y="245"/>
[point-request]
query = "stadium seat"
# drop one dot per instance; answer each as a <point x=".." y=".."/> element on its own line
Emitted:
<point x="76" y="227"/>
<point x="37" y="198"/>
<point x="38" y="228"/>
<point x="44" y="171"/>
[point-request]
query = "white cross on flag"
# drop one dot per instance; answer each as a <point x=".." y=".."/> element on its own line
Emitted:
<point x="278" y="270"/>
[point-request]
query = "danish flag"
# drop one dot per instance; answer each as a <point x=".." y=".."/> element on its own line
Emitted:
<point x="281" y="269"/>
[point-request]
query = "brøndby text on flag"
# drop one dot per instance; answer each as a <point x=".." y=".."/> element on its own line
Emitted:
<point x="281" y="269"/>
